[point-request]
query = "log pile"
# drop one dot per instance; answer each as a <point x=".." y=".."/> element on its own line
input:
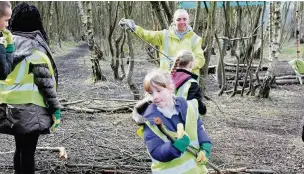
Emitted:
<point x="284" y="77"/>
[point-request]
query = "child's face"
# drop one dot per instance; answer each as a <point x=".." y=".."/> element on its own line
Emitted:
<point x="5" y="18"/>
<point x="161" y="96"/>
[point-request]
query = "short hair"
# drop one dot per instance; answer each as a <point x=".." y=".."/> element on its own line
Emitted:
<point x="179" y="11"/>
<point x="3" y="6"/>
<point x="26" y="18"/>
<point x="159" y="77"/>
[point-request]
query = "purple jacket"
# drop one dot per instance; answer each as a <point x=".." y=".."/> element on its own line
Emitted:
<point x="160" y="150"/>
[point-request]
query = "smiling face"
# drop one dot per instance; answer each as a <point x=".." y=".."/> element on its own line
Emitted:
<point x="158" y="84"/>
<point x="181" y="19"/>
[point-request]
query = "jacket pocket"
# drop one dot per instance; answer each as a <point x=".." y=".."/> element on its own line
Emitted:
<point x="6" y="122"/>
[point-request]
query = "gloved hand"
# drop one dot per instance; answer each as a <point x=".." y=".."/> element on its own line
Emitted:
<point x="9" y="42"/>
<point x="8" y="36"/>
<point x="126" y="24"/>
<point x="207" y="147"/>
<point x="56" y="120"/>
<point x="201" y="158"/>
<point x="182" y="143"/>
<point x="3" y="41"/>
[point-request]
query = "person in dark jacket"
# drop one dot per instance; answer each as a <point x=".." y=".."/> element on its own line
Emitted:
<point x="185" y="82"/>
<point x="175" y="112"/>
<point x="28" y="94"/>
<point x="6" y="42"/>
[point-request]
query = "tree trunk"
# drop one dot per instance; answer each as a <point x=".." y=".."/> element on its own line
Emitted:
<point x="276" y="21"/>
<point x="168" y="11"/>
<point x="83" y="20"/>
<point x="97" y="75"/>
<point x="196" y="17"/>
<point x="159" y="14"/>
<point x="51" y="4"/>
<point x="209" y="40"/>
<point x="58" y="24"/>
<point x="133" y="86"/>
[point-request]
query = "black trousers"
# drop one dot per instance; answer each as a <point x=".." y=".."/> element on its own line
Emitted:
<point x="24" y="157"/>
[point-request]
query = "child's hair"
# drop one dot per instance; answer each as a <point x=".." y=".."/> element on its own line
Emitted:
<point x="26" y="18"/>
<point x="159" y="77"/>
<point x="3" y="6"/>
<point x="183" y="58"/>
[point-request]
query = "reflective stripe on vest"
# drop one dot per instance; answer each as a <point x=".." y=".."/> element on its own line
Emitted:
<point x="184" y="89"/>
<point x="194" y="39"/>
<point x="19" y="87"/>
<point x="165" y="62"/>
<point x="186" y="162"/>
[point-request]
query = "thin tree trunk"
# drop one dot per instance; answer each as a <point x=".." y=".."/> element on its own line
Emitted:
<point x="51" y="5"/>
<point x="167" y="10"/>
<point x="270" y="75"/>
<point x="159" y="14"/>
<point x="133" y="86"/>
<point x="58" y="24"/>
<point x="83" y="20"/>
<point x="209" y="40"/>
<point x="196" y="17"/>
<point x="97" y="75"/>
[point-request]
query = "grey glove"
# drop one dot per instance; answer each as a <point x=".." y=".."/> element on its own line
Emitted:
<point x="127" y="24"/>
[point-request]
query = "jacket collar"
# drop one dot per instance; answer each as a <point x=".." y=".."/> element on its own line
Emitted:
<point x="171" y="32"/>
<point x="152" y="111"/>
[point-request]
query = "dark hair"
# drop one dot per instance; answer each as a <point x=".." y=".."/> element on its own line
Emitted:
<point x="3" y="6"/>
<point x="26" y="18"/>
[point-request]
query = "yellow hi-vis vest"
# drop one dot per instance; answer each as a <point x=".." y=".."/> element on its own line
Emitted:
<point x="186" y="163"/>
<point x="19" y="86"/>
<point x="184" y="89"/>
<point x="167" y="62"/>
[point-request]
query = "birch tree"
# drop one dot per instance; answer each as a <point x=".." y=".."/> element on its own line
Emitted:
<point x="274" y="44"/>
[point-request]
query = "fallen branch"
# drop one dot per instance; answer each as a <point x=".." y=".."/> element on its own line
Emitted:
<point x="81" y="110"/>
<point x="114" y="99"/>
<point x="62" y="152"/>
<point x="73" y="102"/>
<point x="118" y="109"/>
<point x="243" y="169"/>
<point x="2" y="153"/>
<point x="108" y="166"/>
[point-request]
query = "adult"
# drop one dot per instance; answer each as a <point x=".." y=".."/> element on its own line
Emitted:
<point x="28" y="94"/>
<point x="179" y="36"/>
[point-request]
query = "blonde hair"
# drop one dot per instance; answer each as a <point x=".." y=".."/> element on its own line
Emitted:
<point x="160" y="78"/>
<point x="183" y="58"/>
<point x="3" y="6"/>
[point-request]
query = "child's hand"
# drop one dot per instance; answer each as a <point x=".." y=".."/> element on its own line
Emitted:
<point x="56" y="120"/>
<point x="201" y="158"/>
<point x="8" y="36"/>
<point x="182" y="143"/>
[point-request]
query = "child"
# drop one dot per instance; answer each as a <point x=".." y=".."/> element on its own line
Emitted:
<point x="185" y="82"/>
<point x="167" y="156"/>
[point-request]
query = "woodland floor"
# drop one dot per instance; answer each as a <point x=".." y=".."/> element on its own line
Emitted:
<point x="245" y="131"/>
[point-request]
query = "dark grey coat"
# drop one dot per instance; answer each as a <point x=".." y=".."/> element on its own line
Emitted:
<point x="30" y="118"/>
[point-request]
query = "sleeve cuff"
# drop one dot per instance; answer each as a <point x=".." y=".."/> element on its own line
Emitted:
<point x="10" y="48"/>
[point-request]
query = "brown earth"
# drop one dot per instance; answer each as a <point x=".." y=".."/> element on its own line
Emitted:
<point x="245" y="131"/>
